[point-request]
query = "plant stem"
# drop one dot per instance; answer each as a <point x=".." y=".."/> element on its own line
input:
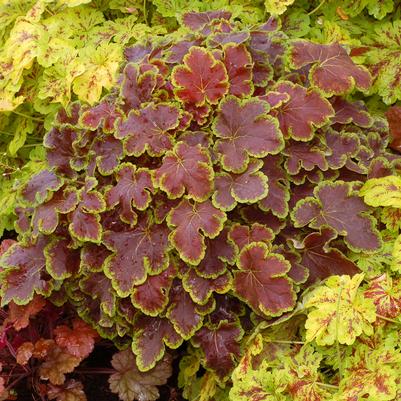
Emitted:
<point x="388" y="319"/>
<point x="95" y="371"/>
<point x="145" y="16"/>
<point x="331" y="386"/>
<point x="287" y="342"/>
<point x="18" y="113"/>
<point x="317" y="8"/>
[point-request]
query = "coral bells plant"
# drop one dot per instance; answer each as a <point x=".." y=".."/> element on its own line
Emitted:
<point x="215" y="181"/>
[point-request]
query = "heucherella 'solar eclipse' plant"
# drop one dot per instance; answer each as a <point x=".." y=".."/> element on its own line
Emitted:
<point x="218" y="178"/>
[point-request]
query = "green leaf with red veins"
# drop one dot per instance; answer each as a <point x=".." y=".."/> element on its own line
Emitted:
<point x="183" y="312"/>
<point x="301" y="377"/>
<point x="85" y="226"/>
<point x="131" y="384"/>
<point x="99" y="288"/>
<point x="201" y="78"/>
<point x="342" y="145"/>
<point x="150" y="336"/>
<point x="302" y="113"/>
<point x="136" y="252"/>
<point x="133" y="189"/>
<point x="46" y="216"/>
<point x="304" y="155"/>
<point x="238" y="63"/>
<point x="107" y="152"/>
<point x="340" y="311"/>
<point x="332" y="70"/>
<point x="385" y="292"/>
<point x="261" y="280"/>
<point x="245" y="235"/>
<point x="279" y="192"/>
<point x="339" y="207"/>
<point x="186" y="169"/>
<point x="391" y="217"/>
<point x="219" y="252"/>
<point x="137" y="88"/>
<point x="247" y="187"/>
<point x="40" y="186"/>
<point x="23" y="272"/>
<point x="62" y="261"/>
<point x="347" y="113"/>
<point x="103" y="114"/>
<point x="321" y="259"/>
<point x="152" y="296"/>
<point x="148" y="129"/>
<point x="200" y="288"/>
<point x="244" y="129"/>
<point x="188" y="220"/>
<point x="221" y="345"/>
<point x="72" y="390"/>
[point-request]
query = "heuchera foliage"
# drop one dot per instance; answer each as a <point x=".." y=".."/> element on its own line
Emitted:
<point x="216" y="180"/>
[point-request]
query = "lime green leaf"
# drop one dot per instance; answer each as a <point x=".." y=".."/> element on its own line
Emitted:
<point x="384" y="191"/>
<point x="341" y="313"/>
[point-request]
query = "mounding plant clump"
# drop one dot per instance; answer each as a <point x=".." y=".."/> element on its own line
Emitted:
<point x="197" y="201"/>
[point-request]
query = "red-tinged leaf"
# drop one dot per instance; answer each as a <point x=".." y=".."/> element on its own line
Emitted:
<point x="339" y="207"/>
<point x="104" y="114"/>
<point x="107" y="152"/>
<point x="131" y="384"/>
<point x="298" y="272"/>
<point x="57" y="364"/>
<point x="245" y="130"/>
<point x="40" y="187"/>
<point x="189" y="219"/>
<point x="136" y="252"/>
<point x="199" y="114"/>
<point x="279" y="192"/>
<point x="85" y="226"/>
<point x="261" y="280"/>
<point x="91" y="201"/>
<point x="304" y="111"/>
<point x="347" y="113"/>
<point x="42" y="348"/>
<point x="275" y="99"/>
<point x="252" y="214"/>
<point x="99" y="288"/>
<point x="201" y="78"/>
<point x="151" y="334"/>
<point x="93" y="257"/>
<point x="221" y="346"/>
<point x="186" y="169"/>
<point x="19" y="315"/>
<point x="196" y="20"/>
<point x="152" y="296"/>
<point x="393" y="115"/>
<point x="178" y="50"/>
<point x="137" y="88"/>
<point x="133" y="190"/>
<point x="200" y="288"/>
<point x="147" y="129"/>
<point x="72" y="390"/>
<point x="183" y="312"/>
<point x="385" y="292"/>
<point x="247" y="187"/>
<point x="245" y="235"/>
<point x="332" y="70"/>
<point x="6" y="244"/>
<point x="78" y="340"/>
<point x="24" y="353"/>
<point x="46" y="216"/>
<point x="219" y="252"/>
<point x="238" y="62"/>
<point x="306" y="156"/>
<point x="342" y="145"/>
<point x="22" y="277"/>
<point x="70" y="115"/>
<point x="321" y="259"/>
<point x="62" y="260"/>
<point x="162" y="206"/>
